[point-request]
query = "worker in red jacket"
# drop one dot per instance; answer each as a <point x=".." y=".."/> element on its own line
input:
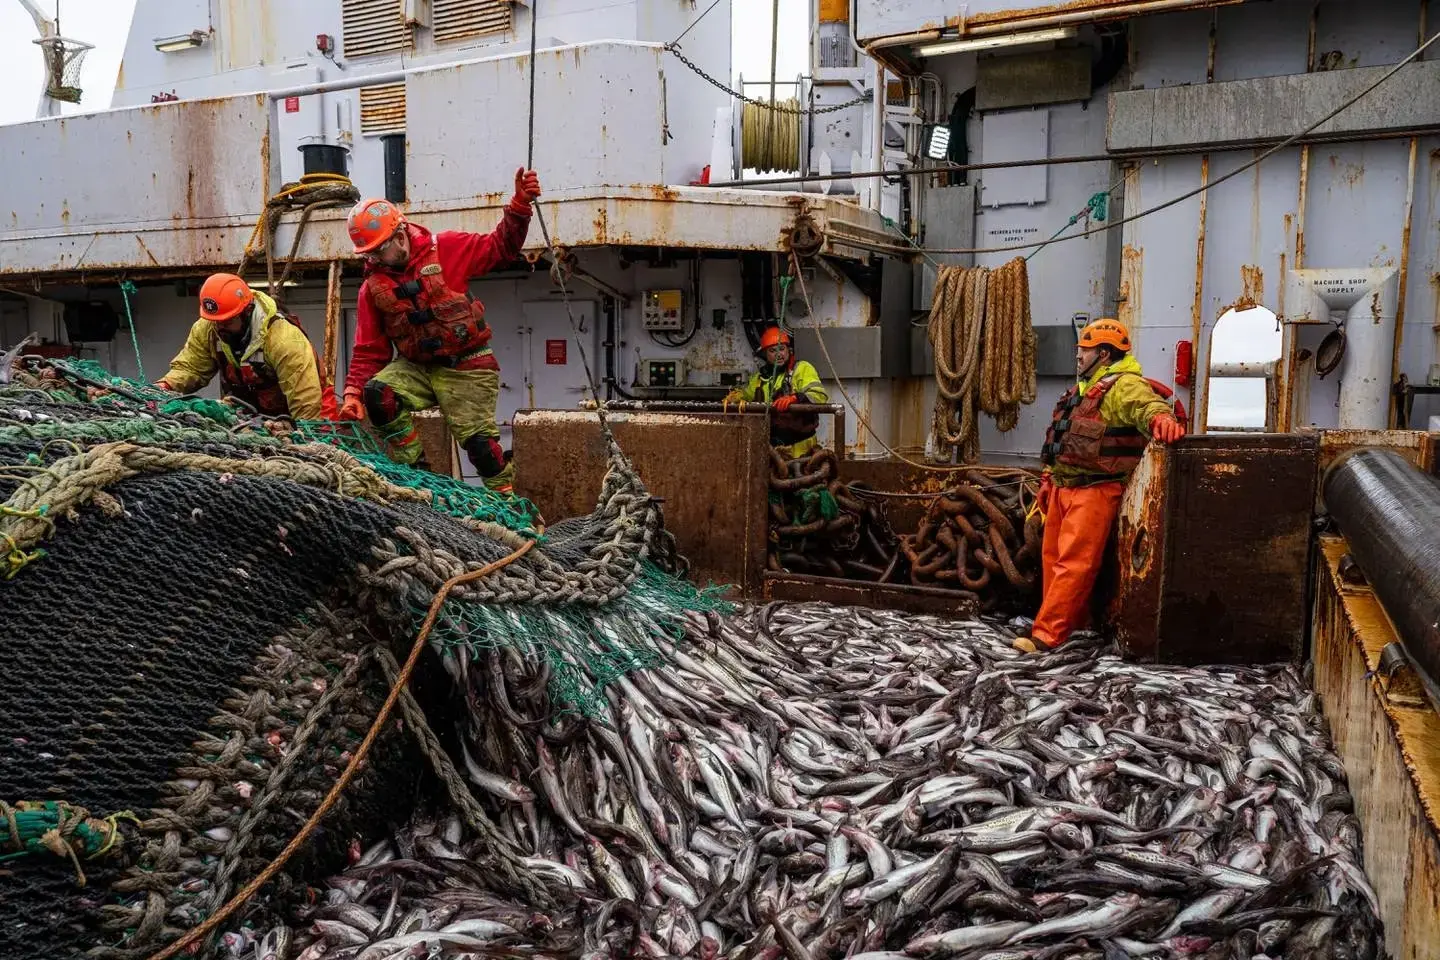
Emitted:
<point x="421" y="339"/>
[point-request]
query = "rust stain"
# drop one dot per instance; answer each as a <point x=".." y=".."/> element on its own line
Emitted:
<point x="64" y="211"/>
<point x="1132" y="274"/>
<point x="1252" y="287"/>
<point x="1221" y="467"/>
<point x="147" y="250"/>
<point x="1301" y="202"/>
<point x="601" y="223"/>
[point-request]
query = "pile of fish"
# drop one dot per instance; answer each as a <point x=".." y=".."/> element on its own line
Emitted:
<point x="811" y="782"/>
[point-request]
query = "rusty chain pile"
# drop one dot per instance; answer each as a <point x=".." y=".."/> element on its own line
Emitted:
<point x="976" y="537"/>
<point x="818" y="525"/>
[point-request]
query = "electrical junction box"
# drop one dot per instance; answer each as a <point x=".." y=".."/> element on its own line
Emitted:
<point x="663" y="310"/>
<point x="664" y="373"/>
<point x="733" y="379"/>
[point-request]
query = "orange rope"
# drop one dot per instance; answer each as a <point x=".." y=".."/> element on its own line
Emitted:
<point x="349" y="774"/>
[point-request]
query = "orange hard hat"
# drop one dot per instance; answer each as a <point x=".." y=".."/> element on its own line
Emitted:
<point x="372" y="222"/>
<point x="1108" y="332"/>
<point x="773" y="336"/>
<point x="223" y="296"/>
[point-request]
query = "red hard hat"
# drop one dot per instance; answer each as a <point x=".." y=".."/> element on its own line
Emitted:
<point x="223" y="296"/>
<point x="372" y="222"/>
<point x="773" y="336"/>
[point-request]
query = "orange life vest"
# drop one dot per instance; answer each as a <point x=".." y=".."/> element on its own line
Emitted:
<point x="430" y="323"/>
<point x="257" y="383"/>
<point x="1079" y="437"/>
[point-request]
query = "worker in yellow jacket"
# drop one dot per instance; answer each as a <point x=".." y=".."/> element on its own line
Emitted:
<point x="263" y="357"/>
<point x="1096" y="438"/>
<point x="781" y="381"/>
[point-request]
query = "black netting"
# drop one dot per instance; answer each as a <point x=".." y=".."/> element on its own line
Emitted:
<point x="125" y="637"/>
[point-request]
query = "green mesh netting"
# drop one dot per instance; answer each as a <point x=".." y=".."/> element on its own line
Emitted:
<point x="451" y="496"/>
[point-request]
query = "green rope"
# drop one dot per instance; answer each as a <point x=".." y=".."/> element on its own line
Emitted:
<point x="62" y="829"/>
<point x="1097" y="207"/>
<point x="127" y="290"/>
<point x="211" y="409"/>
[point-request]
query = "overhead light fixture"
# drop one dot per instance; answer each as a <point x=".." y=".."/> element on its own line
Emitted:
<point x="999" y="40"/>
<point x="178" y="44"/>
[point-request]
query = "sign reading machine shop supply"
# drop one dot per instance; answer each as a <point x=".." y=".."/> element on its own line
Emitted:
<point x="555" y="352"/>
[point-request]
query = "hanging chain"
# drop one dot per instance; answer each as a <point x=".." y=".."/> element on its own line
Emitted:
<point x="833" y="108"/>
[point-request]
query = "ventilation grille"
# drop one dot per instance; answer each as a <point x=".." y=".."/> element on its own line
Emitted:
<point x="374" y="26"/>
<point x="382" y="109"/>
<point x="461" y="19"/>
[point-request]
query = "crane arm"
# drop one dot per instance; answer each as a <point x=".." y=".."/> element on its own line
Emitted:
<point x="43" y="24"/>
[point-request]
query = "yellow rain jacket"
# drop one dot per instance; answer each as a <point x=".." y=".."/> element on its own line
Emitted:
<point x="793" y="434"/>
<point x="278" y="373"/>
<point x="1130" y="402"/>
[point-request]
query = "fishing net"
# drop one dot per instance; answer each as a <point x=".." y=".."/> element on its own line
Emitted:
<point x="204" y="611"/>
<point x="64" y="59"/>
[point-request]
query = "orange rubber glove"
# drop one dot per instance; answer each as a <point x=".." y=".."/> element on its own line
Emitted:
<point x="783" y="403"/>
<point x="352" y="409"/>
<point x="1166" y="428"/>
<point x="527" y="185"/>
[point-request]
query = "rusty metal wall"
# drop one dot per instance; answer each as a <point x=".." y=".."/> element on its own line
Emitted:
<point x="1213" y="550"/>
<point x="803" y="588"/>
<point x="1388" y="744"/>
<point x="710" y="470"/>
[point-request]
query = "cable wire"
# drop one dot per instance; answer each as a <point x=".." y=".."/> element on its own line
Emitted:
<point x="1111" y="225"/>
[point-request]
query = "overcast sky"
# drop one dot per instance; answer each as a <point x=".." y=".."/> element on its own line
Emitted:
<point x="106" y="23"/>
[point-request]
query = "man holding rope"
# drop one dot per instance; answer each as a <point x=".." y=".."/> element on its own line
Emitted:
<point x="416" y="302"/>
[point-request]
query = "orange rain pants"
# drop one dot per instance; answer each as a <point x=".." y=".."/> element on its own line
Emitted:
<point x="1078" y="523"/>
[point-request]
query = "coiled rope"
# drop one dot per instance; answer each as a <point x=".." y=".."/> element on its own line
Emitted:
<point x="770" y="136"/>
<point x="314" y="191"/>
<point x="984" y="344"/>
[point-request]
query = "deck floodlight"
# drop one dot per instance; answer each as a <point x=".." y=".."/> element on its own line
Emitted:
<point x="181" y="42"/>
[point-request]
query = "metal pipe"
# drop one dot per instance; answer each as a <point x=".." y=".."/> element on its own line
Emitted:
<point x="344" y="83"/>
<point x="1245" y="370"/>
<point x="1389" y="511"/>
<point x="877" y="147"/>
<point x="1022" y="24"/>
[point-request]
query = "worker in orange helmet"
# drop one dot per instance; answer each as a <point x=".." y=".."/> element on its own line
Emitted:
<point x="262" y="355"/>
<point x="421" y="339"/>
<point x="1096" y="438"/>
<point x="781" y="381"/>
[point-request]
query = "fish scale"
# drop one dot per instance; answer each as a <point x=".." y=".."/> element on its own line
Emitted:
<point x="884" y="786"/>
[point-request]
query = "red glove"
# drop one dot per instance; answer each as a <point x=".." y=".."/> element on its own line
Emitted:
<point x="527" y="185"/>
<point x="1166" y="428"/>
<point x="352" y="408"/>
<point x="164" y="385"/>
<point x="783" y="403"/>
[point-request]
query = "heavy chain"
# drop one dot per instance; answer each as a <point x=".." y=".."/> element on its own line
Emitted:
<point x="833" y="108"/>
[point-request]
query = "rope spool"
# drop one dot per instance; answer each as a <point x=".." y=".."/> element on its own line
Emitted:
<point x="770" y="136"/>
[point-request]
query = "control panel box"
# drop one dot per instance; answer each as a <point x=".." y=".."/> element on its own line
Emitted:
<point x="663" y="310"/>
<point x="664" y="373"/>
